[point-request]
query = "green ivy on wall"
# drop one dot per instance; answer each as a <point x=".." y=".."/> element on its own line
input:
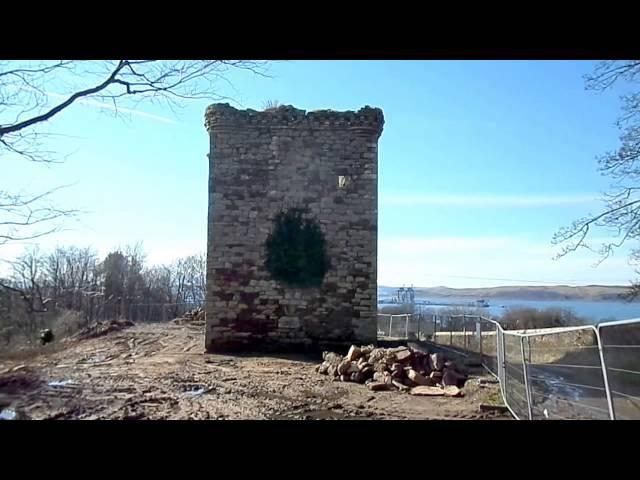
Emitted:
<point x="296" y="252"/>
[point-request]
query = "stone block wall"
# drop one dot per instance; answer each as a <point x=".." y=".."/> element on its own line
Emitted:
<point x="262" y="163"/>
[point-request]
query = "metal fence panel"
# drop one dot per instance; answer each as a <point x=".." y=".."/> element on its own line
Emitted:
<point x="565" y="375"/>
<point x="621" y="355"/>
<point x="489" y="345"/>
<point x="515" y="390"/>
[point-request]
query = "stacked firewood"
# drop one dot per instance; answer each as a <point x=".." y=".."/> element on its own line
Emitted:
<point x="403" y="368"/>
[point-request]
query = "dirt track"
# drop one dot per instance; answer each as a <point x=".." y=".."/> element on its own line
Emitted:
<point x="159" y="371"/>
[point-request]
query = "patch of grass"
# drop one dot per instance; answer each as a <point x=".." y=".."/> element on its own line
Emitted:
<point x="494" y="398"/>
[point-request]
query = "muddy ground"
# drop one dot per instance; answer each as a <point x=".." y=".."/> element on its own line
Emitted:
<point x="160" y="371"/>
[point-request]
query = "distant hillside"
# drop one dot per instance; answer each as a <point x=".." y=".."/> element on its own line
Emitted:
<point x="556" y="292"/>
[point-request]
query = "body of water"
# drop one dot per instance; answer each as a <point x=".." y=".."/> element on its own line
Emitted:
<point x="593" y="311"/>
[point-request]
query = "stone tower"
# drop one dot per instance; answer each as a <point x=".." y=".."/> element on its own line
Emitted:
<point x="260" y="164"/>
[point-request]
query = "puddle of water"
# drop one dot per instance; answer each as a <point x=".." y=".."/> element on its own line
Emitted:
<point x="61" y="383"/>
<point x="195" y="390"/>
<point x="7" y="414"/>
<point x="195" y="393"/>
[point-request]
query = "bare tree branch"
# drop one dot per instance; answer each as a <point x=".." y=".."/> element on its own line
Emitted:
<point x="20" y="216"/>
<point x="27" y="90"/>
<point x="621" y="212"/>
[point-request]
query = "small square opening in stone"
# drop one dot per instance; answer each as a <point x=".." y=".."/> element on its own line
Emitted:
<point x="343" y="181"/>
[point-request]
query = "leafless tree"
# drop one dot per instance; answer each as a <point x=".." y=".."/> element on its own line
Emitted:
<point x="68" y="287"/>
<point x="33" y="93"/>
<point x="621" y="212"/>
<point x="71" y="276"/>
<point x="27" y="279"/>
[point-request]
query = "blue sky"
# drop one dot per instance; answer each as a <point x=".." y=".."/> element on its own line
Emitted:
<point x="480" y="162"/>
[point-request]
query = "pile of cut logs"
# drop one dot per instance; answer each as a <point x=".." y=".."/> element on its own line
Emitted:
<point x="403" y="368"/>
<point x="192" y="316"/>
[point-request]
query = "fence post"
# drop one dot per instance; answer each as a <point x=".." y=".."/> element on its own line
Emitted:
<point x="479" y="327"/>
<point x="605" y="376"/>
<point x="464" y="331"/>
<point x="390" y="322"/>
<point x="406" y="326"/>
<point x="435" y="328"/>
<point x="450" y="331"/>
<point x="526" y="379"/>
<point x="503" y="365"/>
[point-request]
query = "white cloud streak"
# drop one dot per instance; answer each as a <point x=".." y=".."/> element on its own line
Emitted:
<point x="108" y="106"/>
<point x="490" y="261"/>
<point x="488" y="201"/>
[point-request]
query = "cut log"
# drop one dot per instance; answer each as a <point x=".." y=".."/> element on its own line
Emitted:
<point x="400" y="386"/>
<point x="404" y="356"/>
<point x="344" y="367"/>
<point x="353" y="354"/>
<point x="436" y="362"/>
<point x="493" y="408"/>
<point x="379" y="386"/>
<point x="453" y="391"/>
<point x="419" y="379"/>
<point x="427" y="391"/>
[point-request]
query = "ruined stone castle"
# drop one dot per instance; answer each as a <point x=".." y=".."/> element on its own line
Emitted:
<point x="262" y="163"/>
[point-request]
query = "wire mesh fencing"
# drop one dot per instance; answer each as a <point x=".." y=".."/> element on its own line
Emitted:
<point x="621" y="356"/>
<point x="405" y="326"/>
<point x="569" y="373"/>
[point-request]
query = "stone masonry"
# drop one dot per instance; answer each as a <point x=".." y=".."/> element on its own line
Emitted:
<point x="261" y="163"/>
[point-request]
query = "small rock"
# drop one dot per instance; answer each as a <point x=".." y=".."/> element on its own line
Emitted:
<point x="323" y="368"/>
<point x="427" y="391"/>
<point x="378" y="377"/>
<point x="345" y="378"/>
